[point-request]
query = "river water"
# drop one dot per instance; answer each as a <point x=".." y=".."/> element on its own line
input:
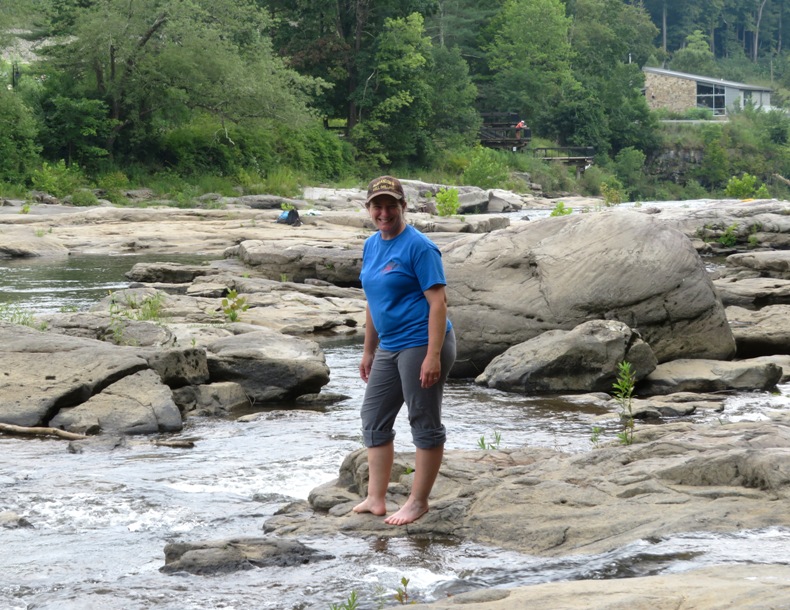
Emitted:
<point x="100" y="519"/>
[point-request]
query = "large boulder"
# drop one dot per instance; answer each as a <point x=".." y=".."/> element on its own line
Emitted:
<point x="509" y="286"/>
<point x="338" y="265"/>
<point x="269" y="366"/>
<point x="768" y="263"/>
<point x="44" y="372"/>
<point x="584" y="359"/>
<point x="136" y="404"/>
<point x="702" y="375"/>
<point x="761" y="333"/>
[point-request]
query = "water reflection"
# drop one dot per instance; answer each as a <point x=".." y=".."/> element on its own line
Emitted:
<point x="50" y="284"/>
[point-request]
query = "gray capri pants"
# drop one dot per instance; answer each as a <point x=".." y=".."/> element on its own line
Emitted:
<point x="395" y="379"/>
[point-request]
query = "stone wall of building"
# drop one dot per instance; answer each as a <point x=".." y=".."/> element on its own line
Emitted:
<point x="674" y="94"/>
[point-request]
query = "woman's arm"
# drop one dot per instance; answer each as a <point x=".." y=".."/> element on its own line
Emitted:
<point x="431" y="368"/>
<point x="369" y="350"/>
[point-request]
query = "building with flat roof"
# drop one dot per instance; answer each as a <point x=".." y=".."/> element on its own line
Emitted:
<point x="679" y="92"/>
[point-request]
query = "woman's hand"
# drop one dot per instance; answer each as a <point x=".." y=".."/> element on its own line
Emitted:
<point x="430" y="371"/>
<point x="365" y="365"/>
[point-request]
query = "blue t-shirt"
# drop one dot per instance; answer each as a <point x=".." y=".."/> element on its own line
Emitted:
<point x="395" y="273"/>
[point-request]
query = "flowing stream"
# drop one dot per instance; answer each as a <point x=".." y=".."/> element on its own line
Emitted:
<point x="100" y="519"/>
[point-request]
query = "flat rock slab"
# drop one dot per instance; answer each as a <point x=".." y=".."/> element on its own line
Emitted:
<point x="746" y="587"/>
<point x="675" y="478"/>
<point x="225" y="556"/>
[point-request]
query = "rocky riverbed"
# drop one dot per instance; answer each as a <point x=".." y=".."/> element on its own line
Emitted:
<point x="540" y="306"/>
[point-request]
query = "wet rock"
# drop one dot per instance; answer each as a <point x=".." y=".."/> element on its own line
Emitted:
<point x="509" y="286"/>
<point x="226" y="556"/>
<point x="761" y="333"/>
<point x="747" y="587"/>
<point x="19" y="247"/>
<point x="211" y="399"/>
<point x="268" y="365"/>
<point x="769" y="263"/>
<point x="702" y="375"/>
<point x="44" y="372"/>
<point x="170" y="273"/>
<point x="10" y="520"/>
<point x="339" y="265"/>
<point x="101" y="326"/>
<point x="752" y="291"/>
<point x="584" y="359"/>
<point x="136" y="404"/>
<point x="675" y="478"/>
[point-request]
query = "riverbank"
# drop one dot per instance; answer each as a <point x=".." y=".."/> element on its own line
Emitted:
<point x="659" y="480"/>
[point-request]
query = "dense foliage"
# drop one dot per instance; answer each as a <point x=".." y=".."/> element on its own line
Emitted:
<point x="267" y="93"/>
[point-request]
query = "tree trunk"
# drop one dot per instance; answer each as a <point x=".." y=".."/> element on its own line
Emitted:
<point x="757" y="30"/>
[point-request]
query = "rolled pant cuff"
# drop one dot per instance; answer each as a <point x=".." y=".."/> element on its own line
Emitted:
<point x="377" y="438"/>
<point x="429" y="439"/>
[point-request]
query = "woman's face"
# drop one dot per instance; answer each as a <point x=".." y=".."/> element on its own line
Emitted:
<point x="386" y="212"/>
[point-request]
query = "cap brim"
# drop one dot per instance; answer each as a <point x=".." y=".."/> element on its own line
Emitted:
<point x="395" y="194"/>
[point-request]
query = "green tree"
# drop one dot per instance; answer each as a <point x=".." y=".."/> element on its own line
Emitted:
<point x="714" y="170"/>
<point x="529" y="55"/>
<point x="454" y="119"/>
<point x="18" y="149"/>
<point x="151" y="61"/>
<point x="396" y="105"/>
<point x="696" y="57"/>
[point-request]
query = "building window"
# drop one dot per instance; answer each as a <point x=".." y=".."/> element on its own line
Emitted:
<point x="711" y="96"/>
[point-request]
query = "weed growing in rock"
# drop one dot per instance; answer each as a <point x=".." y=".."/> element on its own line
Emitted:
<point x="561" y="210"/>
<point x="352" y="603"/>
<point x="401" y="595"/>
<point x="623" y="394"/>
<point x="16" y="315"/>
<point x="729" y="237"/>
<point x="233" y="305"/>
<point x="447" y="202"/>
<point x="595" y="437"/>
<point x="486" y="446"/>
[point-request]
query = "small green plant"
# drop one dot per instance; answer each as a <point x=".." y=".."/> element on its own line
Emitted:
<point x="283" y="277"/>
<point x="729" y="238"/>
<point x="623" y="393"/>
<point x="753" y="241"/>
<point x="561" y="210"/>
<point x="40" y="232"/>
<point x="84" y="198"/>
<point x="287" y="207"/>
<point x="352" y="603"/>
<point x="595" y="437"/>
<point x="233" y="305"/>
<point x="16" y="315"/>
<point x="612" y="192"/>
<point x="57" y="179"/>
<point x="447" y="202"/>
<point x="401" y="593"/>
<point x="486" y="446"/>
<point x="25" y="209"/>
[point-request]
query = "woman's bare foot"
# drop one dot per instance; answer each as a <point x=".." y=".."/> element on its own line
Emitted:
<point x="408" y="513"/>
<point x="369" y="505"/>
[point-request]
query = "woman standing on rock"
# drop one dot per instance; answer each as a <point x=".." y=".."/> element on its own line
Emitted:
<point x="409" y="349"/>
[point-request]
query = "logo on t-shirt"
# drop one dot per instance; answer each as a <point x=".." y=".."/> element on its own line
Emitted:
<point x="390" y="267"/>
